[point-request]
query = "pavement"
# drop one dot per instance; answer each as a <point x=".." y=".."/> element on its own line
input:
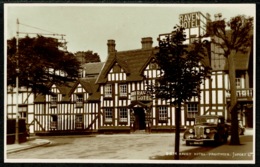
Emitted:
<point x="226" y="151"/>
<point x="32" y="142"/>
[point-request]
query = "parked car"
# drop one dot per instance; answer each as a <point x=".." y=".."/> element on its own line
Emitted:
<point x="207" y="129"/>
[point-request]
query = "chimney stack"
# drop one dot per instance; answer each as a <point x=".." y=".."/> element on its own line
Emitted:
<point x="111" y="46"/>
<point x="147" y="43"/>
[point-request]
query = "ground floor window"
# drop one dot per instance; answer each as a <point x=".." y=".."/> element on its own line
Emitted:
<point x="54" y="122"/>
<point x="163" y="113"/>
<point x="108" y="115"/>
<point x="79" y="121"/>
<point x="192" y="110"/>
<point x="123" y="115"/>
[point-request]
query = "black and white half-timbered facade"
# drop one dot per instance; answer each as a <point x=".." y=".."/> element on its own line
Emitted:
<point x="125" y="105"/>
<point x="111" y="97"/>
<point x="71" y="108"/>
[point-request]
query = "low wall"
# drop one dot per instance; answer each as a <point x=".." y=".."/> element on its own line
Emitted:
<point x="11" y="131"/>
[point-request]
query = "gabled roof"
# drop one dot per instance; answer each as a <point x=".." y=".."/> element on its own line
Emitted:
<point x="93" y="68"/>
<point x="64" y="90"/>
<point x="68" y="88"/>
<point x="133" y="61"/>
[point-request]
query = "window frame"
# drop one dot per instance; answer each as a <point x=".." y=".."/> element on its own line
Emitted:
<point x="53" y="100"/>
<point x="54" y="121"/>
<point x="123" y="115"/>
<point x="123" y="91"/>
<point x="162" y="114"/>
<point x="79" y="100"/>
<point x="108" y="118"/>
<point x="79" y="122"/>
<point x="23" y="111"/>
<point x="238" y="83"/>
<point x="108" y="91"/>
<point x="192" y="111"/>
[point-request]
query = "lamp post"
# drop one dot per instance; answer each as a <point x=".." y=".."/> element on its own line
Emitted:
<point x="17" y="85"/>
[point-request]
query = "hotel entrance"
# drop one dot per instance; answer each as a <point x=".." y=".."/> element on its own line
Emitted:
<point x="139" y="123"/>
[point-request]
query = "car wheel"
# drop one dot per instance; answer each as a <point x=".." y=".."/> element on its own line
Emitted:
<point x="217" y="139"/>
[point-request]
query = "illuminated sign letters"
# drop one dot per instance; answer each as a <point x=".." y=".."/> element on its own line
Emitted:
<point x="190" y="20"/>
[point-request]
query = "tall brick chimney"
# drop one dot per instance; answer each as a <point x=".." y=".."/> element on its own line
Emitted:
<point x="111" y="46"/>
<point x="147" y="43"/>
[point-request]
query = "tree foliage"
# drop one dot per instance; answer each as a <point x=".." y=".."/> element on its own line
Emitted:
<point x="236" y="35"/>
<point x="182" y="69"/>
<point x="87" y="56"/>
<point x="40" y="62"/>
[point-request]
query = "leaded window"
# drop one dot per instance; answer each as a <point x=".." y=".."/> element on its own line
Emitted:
<point x="163" y="113"/>
<point x="108" y="90"/>
<point x="123" y="115"/>
<point x="123" y="90"/>
<point x="192" y="110"/>
<point x="108" y="115"/>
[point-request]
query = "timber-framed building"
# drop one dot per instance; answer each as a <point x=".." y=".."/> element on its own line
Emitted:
<point x="111" y="97"/>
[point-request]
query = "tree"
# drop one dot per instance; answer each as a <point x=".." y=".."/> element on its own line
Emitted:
<point x="40" y="62"/>
<point x="235" y="36"/>
<point x="87" y="57"/>
<point x="182" y="70"/>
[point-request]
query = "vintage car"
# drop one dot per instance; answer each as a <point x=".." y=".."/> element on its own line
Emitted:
<point x="207" y="129"/>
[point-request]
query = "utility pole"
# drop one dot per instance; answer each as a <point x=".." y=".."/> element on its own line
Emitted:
<point x="17" y="85"/>
<point x="17" y="56"/>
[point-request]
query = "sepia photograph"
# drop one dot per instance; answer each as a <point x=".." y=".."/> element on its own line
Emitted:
<point x="129" y="83"/>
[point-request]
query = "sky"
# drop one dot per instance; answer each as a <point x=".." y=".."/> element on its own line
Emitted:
<point x="89" y="26"/>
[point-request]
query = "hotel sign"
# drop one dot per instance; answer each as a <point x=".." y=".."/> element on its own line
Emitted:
<point x="190" y="20"/>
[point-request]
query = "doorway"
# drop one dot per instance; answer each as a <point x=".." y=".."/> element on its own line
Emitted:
<point x="139" y="119"/>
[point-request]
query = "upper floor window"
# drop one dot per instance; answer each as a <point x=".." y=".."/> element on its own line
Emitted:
<point x="238" y="83"/>
<point x="108" y="115"/>
<point x="79" y="100"/>
<point x="192" y="110"/>
<point x="22" y="110"/>
<point x="123" y="90"/>
<point x="123" y="115"/>
<point x="108" y="90"/>
<point x="163" y="114"/>
<point x="53" y="100"/>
